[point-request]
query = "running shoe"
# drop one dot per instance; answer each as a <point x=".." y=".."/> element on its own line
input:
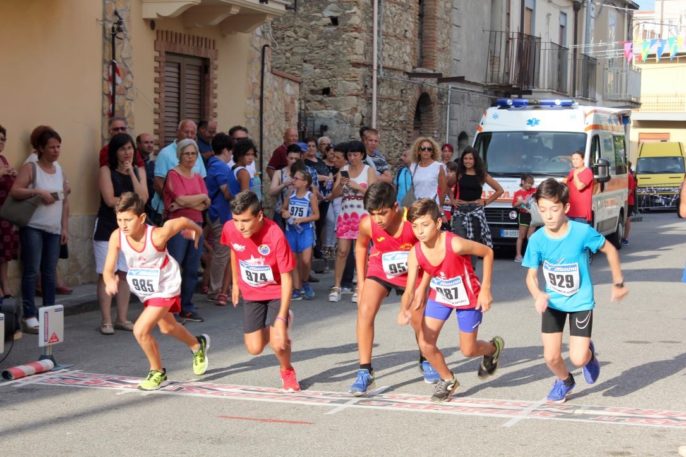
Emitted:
<point x="518" y="259"/>
<point x="354" y="298"/>
<point x="307" y="292"/>
<point x="297" y="295"/>
<point x="625" y="242"/>
<point x="363" y="381"/>
<point x="591" y="370"/>
<point x="489" y="364"/>
<point x="346" y="290"/>
<point x="288" y="380"/>
<point x="190" y="316"/>
<point x="154" y="380"/>
<point x="444" y="389"/>
<point x="431" y="376"/>
<point x="335" y="294"/>
<point x="560" y="390"/>
<point x="200" y="360"/>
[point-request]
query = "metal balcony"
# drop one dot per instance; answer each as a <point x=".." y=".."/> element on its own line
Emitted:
<point x="514" y="60"/>
<point x="622" y="81"/>
<point x="586" y="74"/>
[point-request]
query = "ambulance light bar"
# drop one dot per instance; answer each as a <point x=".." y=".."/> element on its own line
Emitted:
<point x="523" y="102"/>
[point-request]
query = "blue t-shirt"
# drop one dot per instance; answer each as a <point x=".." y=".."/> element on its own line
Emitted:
<point x="403" y="182"/>
<point x="219" y="174"/>
<point x="165" y="161"/>
<point x="565" y="265"/>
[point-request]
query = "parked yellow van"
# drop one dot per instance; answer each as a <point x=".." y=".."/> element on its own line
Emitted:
<point x="659" y="171"/>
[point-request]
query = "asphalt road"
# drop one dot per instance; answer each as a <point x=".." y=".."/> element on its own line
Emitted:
<point x="637" y="407"/>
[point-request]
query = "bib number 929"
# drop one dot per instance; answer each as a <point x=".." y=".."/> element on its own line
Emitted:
<point x="566" y="281"/>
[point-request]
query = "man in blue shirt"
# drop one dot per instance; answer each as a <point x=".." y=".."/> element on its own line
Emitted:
<point x="561" y="249"/>
<point x="167" y="159"/>
<point x="222" y="186"/>
<point x="206" y="131"/>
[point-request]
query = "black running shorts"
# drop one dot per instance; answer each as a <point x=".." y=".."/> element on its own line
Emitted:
<point x="260" y="314"/>
<point x="580" y="322"/>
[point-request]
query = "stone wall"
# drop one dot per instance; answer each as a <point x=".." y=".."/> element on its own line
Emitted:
<point x="281" y="101"/>
<point x="329" y="45"/>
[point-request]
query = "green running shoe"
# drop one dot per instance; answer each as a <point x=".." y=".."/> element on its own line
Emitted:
<point x="154" y="380"/>
<point x="200" y="360"/>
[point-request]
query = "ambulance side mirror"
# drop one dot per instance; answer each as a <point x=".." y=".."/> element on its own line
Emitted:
<point x="601" y="170"/>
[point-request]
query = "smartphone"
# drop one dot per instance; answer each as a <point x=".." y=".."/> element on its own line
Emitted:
<point x="345" y="174"/>
<point x="55" y="195"/>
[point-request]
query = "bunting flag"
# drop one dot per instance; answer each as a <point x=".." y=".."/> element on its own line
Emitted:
<point x="628" y="51"/>
<point x="660" y="49"/>
<point x="645" y="48"/>
<point x="673" y="47"/>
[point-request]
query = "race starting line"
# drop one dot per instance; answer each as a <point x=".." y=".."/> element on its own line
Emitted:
<point x="511" y="411"/>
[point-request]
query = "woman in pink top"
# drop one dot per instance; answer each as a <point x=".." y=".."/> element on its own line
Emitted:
<point x="185" y="195"/>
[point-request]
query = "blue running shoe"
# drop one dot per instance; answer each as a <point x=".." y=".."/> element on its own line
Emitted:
<point x="592" y="369"/>
<point x="297" y="295"/>
<point x="307" y="292"/>
<point x="560" y="390"/>
<point x="431" y="376"/>
<point x="363" y="381"/>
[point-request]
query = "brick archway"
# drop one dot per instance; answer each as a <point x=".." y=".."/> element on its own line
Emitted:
<point x="423" y="116"/>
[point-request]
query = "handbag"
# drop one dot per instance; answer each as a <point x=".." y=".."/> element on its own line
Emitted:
<point x="409" y="196"/>
<point x="20" y="212"/>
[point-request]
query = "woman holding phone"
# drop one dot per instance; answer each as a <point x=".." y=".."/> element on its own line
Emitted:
<point x="352" y="182"/>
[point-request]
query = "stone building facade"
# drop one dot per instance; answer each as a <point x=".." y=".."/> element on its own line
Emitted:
<point x="329" y="45"/>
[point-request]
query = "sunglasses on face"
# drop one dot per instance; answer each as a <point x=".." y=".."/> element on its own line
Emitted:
<point x="426" y="148"/>
<point x="119" y="129"/>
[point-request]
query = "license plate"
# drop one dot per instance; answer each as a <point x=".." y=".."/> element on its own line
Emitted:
<point x="509" y="233"/>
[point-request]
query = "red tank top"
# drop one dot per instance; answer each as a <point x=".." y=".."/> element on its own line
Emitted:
<point x="453" y="282"/>
<point x="388" y="257"/>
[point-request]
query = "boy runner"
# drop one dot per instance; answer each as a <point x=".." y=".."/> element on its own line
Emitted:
<point x="261" y="266"/>
<point x="561" y="249"/>
<point x="444" y="259"/>
<point x="155" y="278"/>
<point x="379" y="272"/>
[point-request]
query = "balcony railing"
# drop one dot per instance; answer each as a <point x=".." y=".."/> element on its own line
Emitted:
<point x="667" y="103"/>
<point x="514" y="59"/>
<point x="557" y="65"/>
<point x="586" y="69"/>
<point x="622" y="81"/>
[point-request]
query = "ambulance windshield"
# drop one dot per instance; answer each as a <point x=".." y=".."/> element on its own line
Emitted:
<point x="536" y="153"/>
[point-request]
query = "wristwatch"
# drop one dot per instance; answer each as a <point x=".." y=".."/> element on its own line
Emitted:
<point x="619" y="284"/>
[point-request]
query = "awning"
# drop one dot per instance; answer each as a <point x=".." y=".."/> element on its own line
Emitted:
<point x="230" y="16"/>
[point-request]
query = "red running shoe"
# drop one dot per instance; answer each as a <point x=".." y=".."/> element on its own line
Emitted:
<point x="288" y="380"/>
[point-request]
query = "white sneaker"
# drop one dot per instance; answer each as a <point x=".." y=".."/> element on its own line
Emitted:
<point x="31" y="325"/>
<point x="346" y="290"/>
<point x="354" y="299"/>
<point x="335" y="294"/>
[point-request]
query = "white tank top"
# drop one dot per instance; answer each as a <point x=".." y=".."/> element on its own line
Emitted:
<point x="49" y="217"/>
<point x="425" y="180"/>
<point x="153" y="273"/>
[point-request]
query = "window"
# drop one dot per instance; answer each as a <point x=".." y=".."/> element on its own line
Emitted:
<point x="563" y="30"/>
<point x="185" y="87"/>
<point x="620" y="155"/>
<point x="529" y="16"/>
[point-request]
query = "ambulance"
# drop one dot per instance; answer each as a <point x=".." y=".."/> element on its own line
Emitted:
<point x="537" y="137"/>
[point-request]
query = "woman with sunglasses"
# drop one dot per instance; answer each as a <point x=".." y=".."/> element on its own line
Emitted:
<point x="427" y="171"/>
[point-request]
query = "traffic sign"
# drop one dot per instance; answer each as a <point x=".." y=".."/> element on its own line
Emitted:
<point x="51" y="325"/>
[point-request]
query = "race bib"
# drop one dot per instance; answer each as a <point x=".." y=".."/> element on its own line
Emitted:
<point x="562" y="278"/>
<point x="256" y="275"/>
<point x="394" y="263"/>
<point x="450" y="292"/>
<point x="297" y="210"/>
<point x="143" y="281"/>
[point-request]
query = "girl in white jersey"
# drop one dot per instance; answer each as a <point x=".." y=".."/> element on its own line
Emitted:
<point x="155" y="278"/>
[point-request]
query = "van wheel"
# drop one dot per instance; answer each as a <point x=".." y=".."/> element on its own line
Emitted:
<point x="616" y="237"/>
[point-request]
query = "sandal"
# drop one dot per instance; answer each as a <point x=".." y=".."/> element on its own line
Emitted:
<point x="222" y="300"/>
<point x="128" y="326"/>
<point x="107" y="329"/>
<point x="205" y="290"/>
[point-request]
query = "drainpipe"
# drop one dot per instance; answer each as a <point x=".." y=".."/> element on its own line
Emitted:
<point x="577" y="7"/>
<point x="263" y="59"/>
<point x="375" y="58"/>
